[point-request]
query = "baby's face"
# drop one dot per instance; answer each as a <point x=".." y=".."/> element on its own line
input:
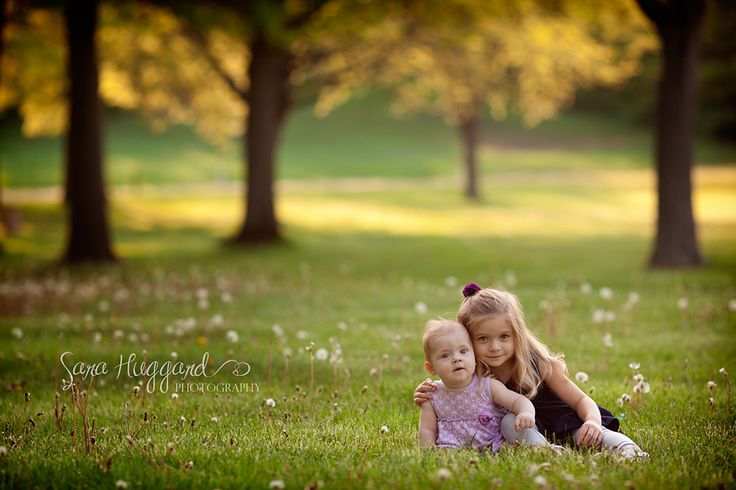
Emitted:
<point x="452" y="358"/>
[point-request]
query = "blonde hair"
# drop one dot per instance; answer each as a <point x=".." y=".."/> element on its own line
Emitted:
<point x="437" y="328"/>
<point x="532" y="359"/>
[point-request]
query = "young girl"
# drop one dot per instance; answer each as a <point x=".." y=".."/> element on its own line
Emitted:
<point x="510" y="353"/>
<point x="465" y="409"/>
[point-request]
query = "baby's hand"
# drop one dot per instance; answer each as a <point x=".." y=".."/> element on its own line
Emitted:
<point x="424" y="391"/>
<point x="524" y="420"/>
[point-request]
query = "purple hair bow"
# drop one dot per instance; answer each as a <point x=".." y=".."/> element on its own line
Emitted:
<point x="470" y="289"/>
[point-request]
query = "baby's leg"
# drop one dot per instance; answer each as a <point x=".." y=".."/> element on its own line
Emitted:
<point x="618" y="442"/>
<point x="525" y="436"/>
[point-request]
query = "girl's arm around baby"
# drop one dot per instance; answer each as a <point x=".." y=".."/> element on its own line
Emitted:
<point x="519" y="404"/>
<point x="427" y="425"/>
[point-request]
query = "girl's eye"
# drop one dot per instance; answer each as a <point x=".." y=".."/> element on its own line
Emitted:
<point x="504" y="336"/>
<point x="482" y="338"/>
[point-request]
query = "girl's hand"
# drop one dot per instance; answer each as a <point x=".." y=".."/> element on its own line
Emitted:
<point x="424" y="391"/>
<point x="591" y="434"/>
<point x="524" y="420"/>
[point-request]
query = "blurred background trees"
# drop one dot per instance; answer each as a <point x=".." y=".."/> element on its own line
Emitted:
<point x="232" y="70"/>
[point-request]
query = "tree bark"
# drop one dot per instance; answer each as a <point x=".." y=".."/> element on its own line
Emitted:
<point x="679" y="24"/>
<point x="469" y="134"/>
<point x="269" y="95"/>
<point x="88" y="233"/>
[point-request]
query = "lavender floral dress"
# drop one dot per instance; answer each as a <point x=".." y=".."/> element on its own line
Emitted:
<point x="467" y="416"/>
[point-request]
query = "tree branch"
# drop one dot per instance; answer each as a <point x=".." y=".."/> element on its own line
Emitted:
<point x="198" y="39"/>
<point x="304" y="17"/>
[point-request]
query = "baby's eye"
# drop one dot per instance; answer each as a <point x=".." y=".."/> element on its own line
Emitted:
<point x="445" y="355"/>
<point x="463" y="351"/>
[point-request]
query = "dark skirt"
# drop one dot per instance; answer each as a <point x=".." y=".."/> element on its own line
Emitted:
<point x="556" y="419"/>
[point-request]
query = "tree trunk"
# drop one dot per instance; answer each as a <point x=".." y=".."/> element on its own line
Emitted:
<point x="469" y="134"/>
<point x="679" y="24"/>
<point x="269" y="96"/>
<point x="88" y="234"/>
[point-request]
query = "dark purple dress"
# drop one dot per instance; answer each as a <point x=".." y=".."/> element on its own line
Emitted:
<point x="556" y="419"/>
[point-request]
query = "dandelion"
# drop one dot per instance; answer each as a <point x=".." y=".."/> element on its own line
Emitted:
<point x="586" y="288"/>
<point x="276" y="484"/>
<point x="606" y="293"/>
<point x="642" y="387"/>
<point x="214" y="420"/>
<point x="232" y="336"/>
<point x="17" y="333"/>
<point x="541" y="481"/>
<point x="121" y="484"/>
<point x="638" y="377"/>
<point x="364" y="389"/>
<point x="270" y="403"/>
<point x="226" y="297"/>
<point x="599" y="316"/>
<point x="608" y="341"/>
<point x="384" y="429"/>
<point x="420" y="307"/>
<point x="581" y="376"/>
<point x="182" y="420"/>
<point x="732" y="305"/>
<point x="711" y="385"/>
<point x="175" y="396"/>
<point x="342" y="326"/>
<point x="443" y="474"/>
<point x="373" y="371"/>
<point x="682" y="304"/>
<point x="633" y="298"/>
<point x="301" y="334"/>
<point x="451" y="281"/>
<point x="711" y="403"/>
<point x="277" y="330"/>
<point x="287" y="352"/>
<point x="201" y="341"/>
<point x="217" y="320"/>
<point x="118" y="334"/>
<point x="170" y="447"/>
<point x="321" y="354"/>
<point x="634" y="365"/>
<point x="3" y="451"/>
<point x="136" y="390"/>
<point x="174" y="355"/>
<point x="189" y="465"/>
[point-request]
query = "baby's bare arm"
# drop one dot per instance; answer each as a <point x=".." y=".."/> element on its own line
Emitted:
<point x="427" y="425"/>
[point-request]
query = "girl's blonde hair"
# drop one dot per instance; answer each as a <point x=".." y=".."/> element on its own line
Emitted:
<point x="532" y="359"/>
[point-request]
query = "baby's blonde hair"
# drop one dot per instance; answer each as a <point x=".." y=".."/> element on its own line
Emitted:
<point x="434" y="329"/>
<point x="532" y="359"/>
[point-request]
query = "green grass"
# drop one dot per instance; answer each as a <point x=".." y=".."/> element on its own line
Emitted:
<point x="357" y="258"/>
<point x="362" y="140"/>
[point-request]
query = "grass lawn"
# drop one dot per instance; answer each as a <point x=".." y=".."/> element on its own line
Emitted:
<point x="365" y="263"/>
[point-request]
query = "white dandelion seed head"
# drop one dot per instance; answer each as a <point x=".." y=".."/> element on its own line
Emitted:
<point x="682" y="304"/>
<point x="711" y="401"/>
<point x="3" y="451"/>
<point x="121" y="484"/>
<point x="451" y="281"/>
<point x="620" y="402"/>
<point x="606" y="293"/>
<point x="599" y="315"/>
<point x="214" y="420"/>
<point x="638" y="377"/>
<point x="626" y="397"/>
<point x="174" y="355"/>
<point x="444" y="474"/>
<point x="645" y="388"/>
<point x="633" y="298"/>
<point x="608" y="340"/>
<point x="540" y="481"/>
<point x="634" y="365"/>
<point x="732" y="305"/>
<point x="723" y="372"/>
<point x="342" y="326"/>
<point x="373" y="371"/>
<point x="581" y="376"/>
<point x="270" y="402"/>
<point x="278" y="330"/>
<point x="17" y="333"/>
<point x="586" y="288"/>
<point x="217" y="320"/>
<point x="711" y="385"/>
<point x="384" y="429"/>
<point x="232" y="336"/>
<point x="175" y="396"/>
<point x="322" y="354"/>
<point x="420" y="307"/>
<point x="276" y="484"/>
<point x="287" y="352"/>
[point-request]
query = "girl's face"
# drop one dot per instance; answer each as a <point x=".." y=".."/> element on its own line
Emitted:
<point x="493" y="342"/>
